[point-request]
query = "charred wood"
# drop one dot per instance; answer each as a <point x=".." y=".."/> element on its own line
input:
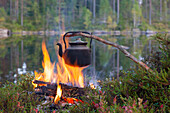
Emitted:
<point x="50" y="89"/>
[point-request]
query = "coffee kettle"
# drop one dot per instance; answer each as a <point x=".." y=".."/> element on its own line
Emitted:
<point x="77" y="54"/>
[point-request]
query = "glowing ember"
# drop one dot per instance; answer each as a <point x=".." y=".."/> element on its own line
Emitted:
<point x="72" y="100"/>
<point x="92" y="86"/>
<point x="59" y="92"/>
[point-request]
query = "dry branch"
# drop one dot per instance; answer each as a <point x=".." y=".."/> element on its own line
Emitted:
<point x="121" y="48"/>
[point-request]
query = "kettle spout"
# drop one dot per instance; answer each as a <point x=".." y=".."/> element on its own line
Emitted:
<point x="60" y="49"/>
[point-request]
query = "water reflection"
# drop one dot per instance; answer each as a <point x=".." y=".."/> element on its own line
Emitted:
<point x="20" y="55"/>
<point x="109" y="60"/>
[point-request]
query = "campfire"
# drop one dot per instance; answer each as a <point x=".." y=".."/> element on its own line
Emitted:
<point x="59" y="81"/>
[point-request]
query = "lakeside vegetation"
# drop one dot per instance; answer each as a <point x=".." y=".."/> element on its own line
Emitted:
<point x="36" y="15"/>
<point x="137" y="91"/>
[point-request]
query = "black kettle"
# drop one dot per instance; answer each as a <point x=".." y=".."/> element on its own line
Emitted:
<point x="77" y="54"/>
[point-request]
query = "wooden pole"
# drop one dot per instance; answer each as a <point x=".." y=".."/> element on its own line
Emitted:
<point x="120" y="47"/>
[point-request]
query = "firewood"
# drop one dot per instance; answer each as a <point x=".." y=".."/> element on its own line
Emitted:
<point x="50" y="89"/>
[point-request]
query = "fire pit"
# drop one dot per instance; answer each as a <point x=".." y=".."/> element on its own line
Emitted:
<point x="66" y="85"/>
<point x="50" y="89"/>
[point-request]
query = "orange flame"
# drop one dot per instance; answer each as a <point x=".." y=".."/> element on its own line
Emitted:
<point x="92" y="86"/>
<point x="59" y="92"/>
<point x="47" y="65"/>
<point x="48" y="73"/>
<point x="64" y="74"/>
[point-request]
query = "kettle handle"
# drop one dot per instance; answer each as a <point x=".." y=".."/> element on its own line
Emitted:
<point x="73" y="33"/>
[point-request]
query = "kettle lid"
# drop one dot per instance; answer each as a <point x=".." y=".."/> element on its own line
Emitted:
<point x="78" y="42"/>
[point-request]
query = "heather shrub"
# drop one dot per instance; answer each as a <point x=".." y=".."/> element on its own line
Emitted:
<point x="18" y="97"/>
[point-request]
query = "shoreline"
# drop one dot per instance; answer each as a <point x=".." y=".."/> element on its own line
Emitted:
<point x="134" y="32"/>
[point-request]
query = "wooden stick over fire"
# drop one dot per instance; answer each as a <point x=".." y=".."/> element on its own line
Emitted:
<point x="121" y="48"/>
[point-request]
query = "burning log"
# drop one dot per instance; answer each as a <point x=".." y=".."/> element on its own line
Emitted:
<point x="49" y="89"/>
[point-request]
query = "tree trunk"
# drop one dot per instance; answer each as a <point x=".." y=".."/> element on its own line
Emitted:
<point x="85" y="3"/>
<point x="4" y="4"/>
<point x="134" y="16"/>
<point x="150" y="12"/>
<point x="160" y="10"/>
<point x="165" y="11"/>
<point x="59" y="15"/>
<point x="11" y="8"/>
<point x="17" y="12"/>
<point x="73" y="12"/>
<point x="146" y="8"/>
<point x="91" y="5"/>
<point x="47" y="19"/>
<point x="44" y="14"/>
<point x="94" y="10"/>
<point x="113" y="7"/>
<point x="117" y="11"/>
<point x="22" y="12"/>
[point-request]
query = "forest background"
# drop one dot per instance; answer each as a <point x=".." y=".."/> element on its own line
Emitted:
<point x="85" y="14"/>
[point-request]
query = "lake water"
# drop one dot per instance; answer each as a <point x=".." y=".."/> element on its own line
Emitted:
<point x="23" y="54"/>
